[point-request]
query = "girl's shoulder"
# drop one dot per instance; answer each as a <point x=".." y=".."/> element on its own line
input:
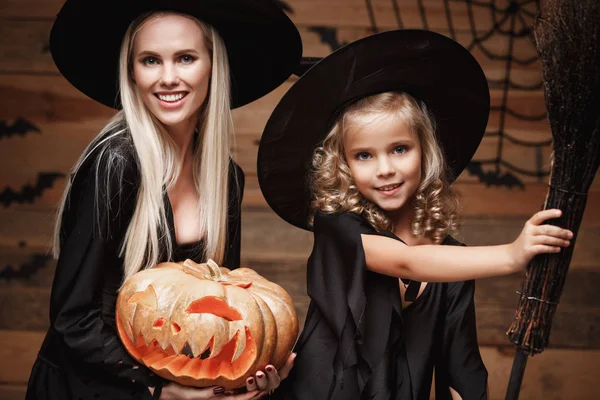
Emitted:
<point x="342" y="224"/>
<point x="450" y="241"/>
<point x="342" y="227"/>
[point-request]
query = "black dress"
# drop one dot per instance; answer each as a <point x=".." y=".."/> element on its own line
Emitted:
<point x="82" y="356"/>
<point x="358" y="342"/>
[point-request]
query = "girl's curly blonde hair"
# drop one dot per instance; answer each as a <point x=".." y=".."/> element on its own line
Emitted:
<point x="435" y="204"/>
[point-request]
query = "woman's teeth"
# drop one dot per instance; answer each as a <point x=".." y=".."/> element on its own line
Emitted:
<point x="171" y="98"/>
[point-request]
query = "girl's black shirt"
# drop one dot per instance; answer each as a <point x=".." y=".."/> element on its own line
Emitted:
<point x="82" y="356"/>
<point x="358" y="342"/>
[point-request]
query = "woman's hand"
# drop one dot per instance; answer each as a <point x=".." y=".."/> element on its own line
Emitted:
<point x="538" y="238"/>
<point x="175" y="391"/>
<point x="256" y="387"/>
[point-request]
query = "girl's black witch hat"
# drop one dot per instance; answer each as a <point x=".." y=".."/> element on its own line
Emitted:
<point x="430" y="67"/>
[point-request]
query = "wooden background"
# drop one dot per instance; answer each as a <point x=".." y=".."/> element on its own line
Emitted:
<point x="45" y="124"/>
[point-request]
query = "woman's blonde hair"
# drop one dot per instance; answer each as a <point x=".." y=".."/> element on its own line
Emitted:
<point x="434" y="204"/>
<point x="148" y="237"/>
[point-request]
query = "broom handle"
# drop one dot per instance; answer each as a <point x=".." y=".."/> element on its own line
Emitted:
<point x="516" y="375"/>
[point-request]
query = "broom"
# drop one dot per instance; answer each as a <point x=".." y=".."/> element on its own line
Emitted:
<point x="567" y="36"/>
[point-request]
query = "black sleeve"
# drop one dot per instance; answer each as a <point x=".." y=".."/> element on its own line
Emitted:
<point x="461" y="366"/>
<point x="234" y="222"/>
<point x="96" y="216"/>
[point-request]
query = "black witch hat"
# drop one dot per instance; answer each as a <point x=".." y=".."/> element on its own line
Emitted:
<point x="429" y="66"/>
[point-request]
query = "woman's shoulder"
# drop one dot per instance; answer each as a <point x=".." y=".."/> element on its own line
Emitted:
<point x="111" y="157"/>
<point x="234" y="168"/>
<point x="108" y="171"/>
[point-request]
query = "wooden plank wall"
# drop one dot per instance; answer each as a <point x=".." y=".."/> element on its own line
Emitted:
<point x="45" y="124"/>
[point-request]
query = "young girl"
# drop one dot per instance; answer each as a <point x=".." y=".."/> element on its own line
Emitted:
<point x="158" y="183"/>
<point x="400" y="115"/>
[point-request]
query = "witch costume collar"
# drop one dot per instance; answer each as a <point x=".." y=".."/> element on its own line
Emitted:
<point x="263" y="45"/>
<point x="430" y="67"/>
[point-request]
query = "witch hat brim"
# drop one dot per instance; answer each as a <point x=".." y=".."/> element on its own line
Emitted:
<point x="263" y="45"/>
<point x="429" y="66"/>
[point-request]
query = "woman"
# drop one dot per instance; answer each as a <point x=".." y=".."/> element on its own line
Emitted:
<point x="158" y="182"/>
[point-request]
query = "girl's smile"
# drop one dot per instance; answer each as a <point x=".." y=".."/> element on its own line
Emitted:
<point x="390" y="190"/>
<point x="384" y="157"/>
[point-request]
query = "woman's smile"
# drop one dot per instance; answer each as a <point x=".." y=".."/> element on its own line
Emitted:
<point x="171" y="100"/>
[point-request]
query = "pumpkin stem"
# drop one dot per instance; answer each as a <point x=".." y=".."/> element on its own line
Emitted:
<point x="190" y="267"/>
<point x="214" y="270"/>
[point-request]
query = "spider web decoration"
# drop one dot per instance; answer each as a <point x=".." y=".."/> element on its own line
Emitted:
<point x="500" y="33"/>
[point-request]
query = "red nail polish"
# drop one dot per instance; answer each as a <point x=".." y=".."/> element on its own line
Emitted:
<point x="269" y="369"/>
<point x="251" y="381"/>
<point x="260" y="376"/>
<point x="219" y="390"/>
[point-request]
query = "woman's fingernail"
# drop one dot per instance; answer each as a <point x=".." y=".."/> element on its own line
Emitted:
<point x="251" y="381"/>
<point x="219" y="390"/>
<point x="260" y="376"/>
<point x="269" y="369"/>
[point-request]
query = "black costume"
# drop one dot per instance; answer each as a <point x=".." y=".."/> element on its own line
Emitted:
<point x="82" y="356"/>
<point x="358" y="342"/>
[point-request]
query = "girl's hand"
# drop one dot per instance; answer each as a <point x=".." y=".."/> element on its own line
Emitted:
<point x="538" y="238"/>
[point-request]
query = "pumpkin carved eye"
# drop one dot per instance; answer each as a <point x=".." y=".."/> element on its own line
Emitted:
<point x="159" y="323"/>
<point x="215" y="306"/>
<point x="202" y="325"/>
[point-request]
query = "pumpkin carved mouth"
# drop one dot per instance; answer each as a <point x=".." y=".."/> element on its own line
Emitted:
<point x="186" y="363"/>
<point x="158" y="348"/>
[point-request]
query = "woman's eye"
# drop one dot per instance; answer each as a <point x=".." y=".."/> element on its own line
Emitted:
<point x="400" y="149"/>
<point x="363" y="156"/>
<point x="187" y="59"/>
<point x="150" y="61"/>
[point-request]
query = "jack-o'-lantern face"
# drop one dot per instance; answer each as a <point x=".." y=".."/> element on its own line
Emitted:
<point x="201" y="325"/>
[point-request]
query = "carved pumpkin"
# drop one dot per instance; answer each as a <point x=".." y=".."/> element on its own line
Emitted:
<point x="202" y="325"/>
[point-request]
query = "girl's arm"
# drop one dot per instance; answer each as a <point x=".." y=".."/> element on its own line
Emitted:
<point x="434" y="263"/>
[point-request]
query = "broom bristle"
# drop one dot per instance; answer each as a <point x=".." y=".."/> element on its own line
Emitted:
<point x="567" y="40"/>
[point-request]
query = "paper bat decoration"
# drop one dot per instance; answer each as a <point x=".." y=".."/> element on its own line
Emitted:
<point x="494" y="178"/>
<point x="328" y="36"/>
<point x="19" y="127"/>
<point x="25" y="271"/>
<point x="29" y="193"/>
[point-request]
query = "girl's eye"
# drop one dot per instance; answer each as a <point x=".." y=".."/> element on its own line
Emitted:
<point x="150" y="60"/>
<point x="363" y="156"/>
<point x="187" y="59"/>
<point x="400" y="149"/>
